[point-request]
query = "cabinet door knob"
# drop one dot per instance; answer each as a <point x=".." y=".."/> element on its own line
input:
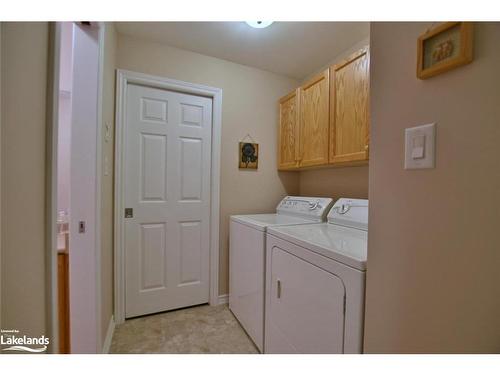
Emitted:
<point x="278" y="288"/>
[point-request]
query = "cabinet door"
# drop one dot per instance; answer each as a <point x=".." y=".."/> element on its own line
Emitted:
<point x="306" y="307"/>
<point x="288" y="146"/>
<point x="349" y="106"/>
<point x="314" y="103"/>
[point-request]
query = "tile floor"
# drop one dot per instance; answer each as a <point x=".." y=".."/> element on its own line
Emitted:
<point x="199" y="329"/>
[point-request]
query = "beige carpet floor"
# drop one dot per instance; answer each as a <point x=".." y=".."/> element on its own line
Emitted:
<point x="200" y="329"/>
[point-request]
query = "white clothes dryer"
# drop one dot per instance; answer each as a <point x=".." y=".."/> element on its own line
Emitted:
<point x="315" y="283"/>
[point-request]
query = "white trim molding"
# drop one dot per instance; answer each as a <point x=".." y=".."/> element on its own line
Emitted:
<point x="223" y="299"/>
<point x="123" y="79"/>
<point x="51" y="191"/>
<point x="98" y="182"/>
<point x="109" y="336"/>
<point x="51" y="187"/>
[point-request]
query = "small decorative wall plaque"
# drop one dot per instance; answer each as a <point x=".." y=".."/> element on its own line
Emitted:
<point x="445" y="47"/>
<point x="249" y="155"/>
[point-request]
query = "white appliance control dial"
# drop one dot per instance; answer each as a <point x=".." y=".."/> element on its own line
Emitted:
<point x="315" y="205"/>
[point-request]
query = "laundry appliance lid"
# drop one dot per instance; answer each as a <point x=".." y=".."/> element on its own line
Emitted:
<point x="290" y="211"/>
<point x="262" y="221"/>
<point x="343" y="244"/>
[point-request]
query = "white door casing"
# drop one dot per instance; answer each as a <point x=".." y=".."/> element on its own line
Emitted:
<point x="84" y="254"/>
<point x="124" y="78"/>
<point x="167" y="185"/>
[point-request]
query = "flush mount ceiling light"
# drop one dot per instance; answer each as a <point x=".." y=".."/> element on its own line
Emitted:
<point x="259" y="24"/>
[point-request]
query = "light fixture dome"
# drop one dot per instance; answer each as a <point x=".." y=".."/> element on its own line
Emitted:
<point x="259" y="24"/>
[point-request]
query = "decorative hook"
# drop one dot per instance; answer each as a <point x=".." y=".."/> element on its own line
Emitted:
<point x="248" y="136"/>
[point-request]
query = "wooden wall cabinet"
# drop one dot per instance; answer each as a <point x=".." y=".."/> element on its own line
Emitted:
<point x="325" y="122"/>
<point x="313" y="124"/>
<point x="288" y="148"/>
<point x="349" y="109"/>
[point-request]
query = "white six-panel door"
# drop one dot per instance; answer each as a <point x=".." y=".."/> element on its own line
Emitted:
<point x="167" y="158"/>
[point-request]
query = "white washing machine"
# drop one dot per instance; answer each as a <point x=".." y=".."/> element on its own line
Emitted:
<point x="315" y="283"/>
<point x="247" y="248"/>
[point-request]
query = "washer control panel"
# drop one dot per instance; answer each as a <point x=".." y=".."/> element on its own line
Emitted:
<point x="315" y="208"/>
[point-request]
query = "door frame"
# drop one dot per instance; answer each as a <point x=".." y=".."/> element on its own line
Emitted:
<point x="51" y="187"/>
<point x="124" y="78"/>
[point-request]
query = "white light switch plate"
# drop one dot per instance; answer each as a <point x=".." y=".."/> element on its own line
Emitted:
<point x="420" y="144"/>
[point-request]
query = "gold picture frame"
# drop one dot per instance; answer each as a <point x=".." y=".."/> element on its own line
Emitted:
<point x="248" y="155"/>
<point x="443" y="48"/>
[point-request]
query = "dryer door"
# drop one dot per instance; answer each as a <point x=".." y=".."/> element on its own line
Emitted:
<point x="306" y="307"/>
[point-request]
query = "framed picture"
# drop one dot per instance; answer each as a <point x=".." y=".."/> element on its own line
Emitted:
<point x="445" y="47"/>
<point x="249" y="155"/>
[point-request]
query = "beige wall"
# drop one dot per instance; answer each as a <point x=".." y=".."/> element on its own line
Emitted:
<point x="340" y="57"/>
<point x="433" y="283"/>
<point x="249" y="106"/>
<point x="23" y="92"/>
<point x="351" y="182"/>
<point x="336" y="182"/>
<point x="107" y="188"/>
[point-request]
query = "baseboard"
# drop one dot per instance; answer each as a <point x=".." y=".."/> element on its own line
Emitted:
<point x="223" y="299"/>
<point x="109" y="336"/>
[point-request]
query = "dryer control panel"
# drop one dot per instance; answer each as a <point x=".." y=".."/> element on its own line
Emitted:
<point x="314" y="208"/>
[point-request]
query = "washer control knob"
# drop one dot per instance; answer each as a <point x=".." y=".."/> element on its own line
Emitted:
<point x="314" y="205"/>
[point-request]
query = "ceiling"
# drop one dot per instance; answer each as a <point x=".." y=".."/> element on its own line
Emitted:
<point x="294" y="49"/>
